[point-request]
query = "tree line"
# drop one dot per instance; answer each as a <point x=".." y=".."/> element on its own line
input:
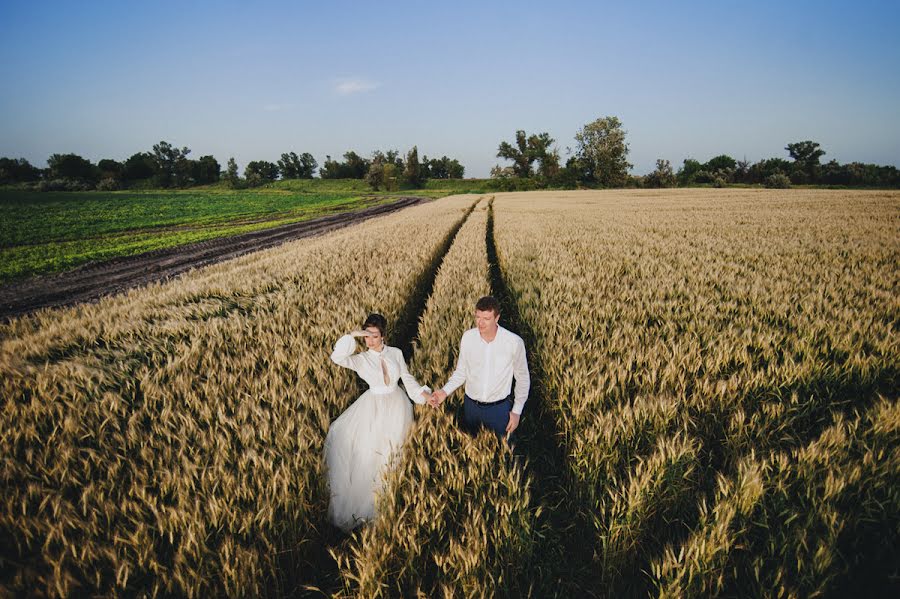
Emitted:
<point x="168" y="166"/>
<point x="600" y="159"/>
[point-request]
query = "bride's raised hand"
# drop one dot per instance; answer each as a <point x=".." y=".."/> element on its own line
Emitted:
<point x="360" y="334"/>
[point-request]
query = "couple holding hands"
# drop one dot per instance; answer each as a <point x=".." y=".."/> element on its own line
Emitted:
<point x="364" y="439"/>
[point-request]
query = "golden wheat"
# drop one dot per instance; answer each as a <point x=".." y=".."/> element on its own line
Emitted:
<point x="721" y="367"/>
<point x="720" y="323"/>
<point x="168" y="440"/>
<point x="456" y="519"/>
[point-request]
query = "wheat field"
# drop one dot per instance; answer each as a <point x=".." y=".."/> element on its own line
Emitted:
<point x="713" y="409"/>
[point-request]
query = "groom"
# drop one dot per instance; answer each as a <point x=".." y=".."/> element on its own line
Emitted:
<point x="489" y="358"/>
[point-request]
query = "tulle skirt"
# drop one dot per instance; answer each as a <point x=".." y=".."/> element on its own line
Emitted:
<point x="360" y="446"/>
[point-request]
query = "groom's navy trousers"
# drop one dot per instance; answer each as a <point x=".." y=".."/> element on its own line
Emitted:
<point x="493" y="416"/>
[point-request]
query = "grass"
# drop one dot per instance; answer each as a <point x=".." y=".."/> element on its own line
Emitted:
<point x="51" y="232"/>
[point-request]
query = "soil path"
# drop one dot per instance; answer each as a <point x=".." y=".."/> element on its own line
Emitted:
<point x="92" y="281"/>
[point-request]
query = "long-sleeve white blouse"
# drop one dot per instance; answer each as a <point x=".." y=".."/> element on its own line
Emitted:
<point x="367" y="365"/>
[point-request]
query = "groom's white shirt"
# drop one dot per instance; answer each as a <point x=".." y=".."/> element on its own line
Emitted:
<point x="488" y="369"/>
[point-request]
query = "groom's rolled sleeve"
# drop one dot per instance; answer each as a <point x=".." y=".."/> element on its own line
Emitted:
<point x="459" y="375"/>
<point x="523" y="379"/>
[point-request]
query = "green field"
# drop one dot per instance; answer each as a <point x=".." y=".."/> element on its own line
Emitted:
<point x="51" y="232"/>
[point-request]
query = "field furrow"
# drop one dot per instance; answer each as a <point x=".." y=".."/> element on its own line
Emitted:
<point x="456" y="518"/>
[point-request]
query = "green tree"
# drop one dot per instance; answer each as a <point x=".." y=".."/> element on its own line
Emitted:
<point x="722" y="162"/>
<point x="549" y="164"/>
<point x="687" y="174"/>
<point x="289" y="165"/>
<point x="172" y="167"/>
<point x="806" y="155"/>
<point x="18" y="170"/>
<point x="259" y="172"/>
<point x="455" y="170"/>
<point x="231" y="174"/>
<point x="353" y="167"/>
<point x="308" y="166"/>
<point x="663" y="176"/>
<point x="414" y="173"/>
<point x="392" y="176"/>
<point x="139" y="166"/>
<point x="375" y="174"/>
<point x="205" y="170"/>
<point x="292" y="166"/>
<point x="72" y="166"/>
<point x="110" y="169"/>
<point x="602" y="152"/>
<point x="526" y="151"/>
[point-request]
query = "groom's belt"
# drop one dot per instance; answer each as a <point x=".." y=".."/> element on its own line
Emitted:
<point x="491" y="403"/>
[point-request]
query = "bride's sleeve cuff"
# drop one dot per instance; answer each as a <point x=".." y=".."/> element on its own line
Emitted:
<point x="417" y="397"/>
<point x="343" y="349"/>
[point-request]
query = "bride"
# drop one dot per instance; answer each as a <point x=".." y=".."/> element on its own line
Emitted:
<point x="363" y="440"/>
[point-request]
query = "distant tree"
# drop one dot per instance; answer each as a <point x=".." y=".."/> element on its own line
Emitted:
<point x="389" y="157"/>
<point x="72" y="166"/>
<point x="414" y="174"/>
<point x="663" y="176"/>
<point x="110" y="169"/>
<point x="392" y="176"/>
<point x="139" y="166"/>
<point x="455" y="170"/>
<point x="569" y="175"/>
<point x="375" y="174"/>
<point x="308" y="166"/>
<point x="526" y="151"/>
<point x="443" y="168"/>
<point x="357" y="166"/>
<point x="172" y="167"/>
<point x="502" y="172"/>
<point x="18" y="170"/>
<point x="602" y="152"/>
<point x="742" y="171"/>
<point x="289" y="165"/>
<point x="292" y="166"/>
<point x="231" y="174"/>
<point x="687" y="174"/>
<point x="548" y="165"/>
<point x="259" y="172"/>
<point x="720" y="163"/>
<point x="778" y="181"/>
<point x="806" y="155"/>
<point x="205" y="170"/>
<point x="330" y="168"/>
<point x="762" y="170"/>
<point x="518" y="154"/>
<point x="353" y="167"/>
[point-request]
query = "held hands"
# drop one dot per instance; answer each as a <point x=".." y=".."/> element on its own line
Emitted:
<point x="437" y="398"/>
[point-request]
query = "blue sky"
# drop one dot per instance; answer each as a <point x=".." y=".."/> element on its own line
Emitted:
<point x="253" y="80"/>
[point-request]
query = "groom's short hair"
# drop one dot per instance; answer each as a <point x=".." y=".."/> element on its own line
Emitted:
<point x="488" y="302"/>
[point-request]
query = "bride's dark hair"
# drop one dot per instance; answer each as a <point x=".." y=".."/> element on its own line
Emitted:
<point x="376" y="320"/>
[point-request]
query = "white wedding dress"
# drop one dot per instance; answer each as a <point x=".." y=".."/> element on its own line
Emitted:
<point x="362" y="442"/>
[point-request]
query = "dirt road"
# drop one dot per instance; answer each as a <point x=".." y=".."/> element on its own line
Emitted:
<point x="92" y="281"/>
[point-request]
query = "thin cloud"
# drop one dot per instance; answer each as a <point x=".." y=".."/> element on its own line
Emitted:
<point x="347" y="87"/>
